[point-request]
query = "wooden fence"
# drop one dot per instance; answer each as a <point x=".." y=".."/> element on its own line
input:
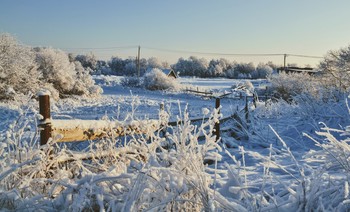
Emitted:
<point x="82" y="130"/>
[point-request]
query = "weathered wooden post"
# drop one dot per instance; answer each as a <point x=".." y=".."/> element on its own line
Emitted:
<point x="246" y="109"/>
<point x="45" y="122"/>
<point x="217" y="124"/>
<point x="255" y="99"/>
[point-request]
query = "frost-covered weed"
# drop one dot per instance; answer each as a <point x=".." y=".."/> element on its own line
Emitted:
<point x="333" y="172"/>
<point x="143" y="174"/>
<point x="175" y="176"/>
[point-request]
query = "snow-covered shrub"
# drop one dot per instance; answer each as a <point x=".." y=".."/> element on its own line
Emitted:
<point x="18" y="71"/>
<point x="288" y="85"/>
<point x="303" y="87"/>
<point x="26" y="70"/>
<point x="84" y="84"/>
<point x="68" y="78"/>
<point x="157" y="80"/>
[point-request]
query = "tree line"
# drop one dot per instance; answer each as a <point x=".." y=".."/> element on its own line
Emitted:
<point x="193" y="66"/>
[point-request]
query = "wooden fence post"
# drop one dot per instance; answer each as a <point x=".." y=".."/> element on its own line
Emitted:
<point x="217" y="124"/>
<point x="45" y="123"/>
<point x="255" y="99"/>
<point x="246" y="109"/>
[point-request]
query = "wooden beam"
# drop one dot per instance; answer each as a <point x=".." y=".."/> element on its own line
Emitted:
<point x="82" y="130"/>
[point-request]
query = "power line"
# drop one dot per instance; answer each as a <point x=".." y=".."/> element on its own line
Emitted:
<point x="101" y="48"/>
<point x="307" y="56"/>
<point x="195" y="52"/>
<point x="209" y="53"/>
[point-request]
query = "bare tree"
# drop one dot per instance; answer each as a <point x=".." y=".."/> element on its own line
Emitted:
<point x="335" y="68"/>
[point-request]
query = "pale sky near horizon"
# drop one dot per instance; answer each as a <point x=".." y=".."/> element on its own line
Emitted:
<point x="302" y="27"/>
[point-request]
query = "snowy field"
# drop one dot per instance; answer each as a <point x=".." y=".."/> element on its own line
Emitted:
<point x="269" y="163"/>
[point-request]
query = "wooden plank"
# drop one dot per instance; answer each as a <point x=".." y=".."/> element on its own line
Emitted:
<point x="82" y="130"/>
<point x="200" y="92"/>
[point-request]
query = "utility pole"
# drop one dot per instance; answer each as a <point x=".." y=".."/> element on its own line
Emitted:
<point x="138" y="62"/>
<point x="284" y="63"/>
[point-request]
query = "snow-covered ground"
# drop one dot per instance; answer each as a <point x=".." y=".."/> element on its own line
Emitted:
<point x="272" y="166"/>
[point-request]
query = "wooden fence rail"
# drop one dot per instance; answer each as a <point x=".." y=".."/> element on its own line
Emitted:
<point x="82" y="130"/>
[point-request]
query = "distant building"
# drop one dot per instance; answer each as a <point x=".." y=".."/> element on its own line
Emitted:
<point x="170" y="73"/>
<point x="297" y="70"/>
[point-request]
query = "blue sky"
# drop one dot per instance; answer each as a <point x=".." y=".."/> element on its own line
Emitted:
<point x="307" y="27"/>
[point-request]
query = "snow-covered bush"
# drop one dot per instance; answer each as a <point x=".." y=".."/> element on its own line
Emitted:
<point x="68" y="78"/>
<point x="26" y="70"/>
<point x="84" y="84"/>
<point x="288" y="85"/>
<point x="18" y="71"/>
<point x="157" y="80"/>
<point x="303" y="87"/>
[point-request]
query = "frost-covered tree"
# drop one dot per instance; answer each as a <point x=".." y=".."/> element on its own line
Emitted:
<point x="230" y="73"/>
<point x="24" y="69"/>
<point x="117" y="65"/>
<point x="68" y="78"/>
<point x="127" y="67"/>
<point x="272" y="65"/>
<point x="218" y="68"/>
<point x="18" y="71"/>
<point x="87" y="61"/>
<point x="192" y="67"/>
<point x="245" y="68"/>
<point x="130" y="68"/>
<point x="262" y="71"/>
<point x="336" y="68"/>
<point x="56" y="68"/>
<point x="154" y="62"/>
